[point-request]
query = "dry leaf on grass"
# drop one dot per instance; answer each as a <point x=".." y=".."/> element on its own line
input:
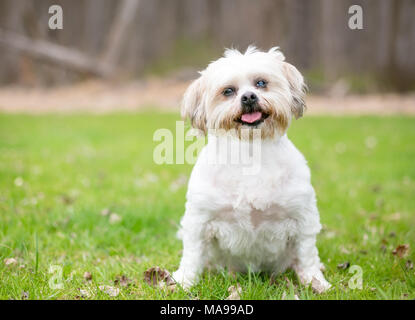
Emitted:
<point x="105" y="212"/>
<point x="84" y="293"/>
<point x="10" y="261"/>
<point x="343" y="265"/>
<point x="114" y="218"/>
<point x="344" y="250"/>
<point x="401" y="251"/>
<point x="234" y="292"/>
<point x="122" y="280"/>
<point x="88" y="276"/>
<point x="18" y="182"/>
<point x="394" y="217"/>
<point x="156" y="276"/>
<point x="25" y="295"/>
<point x="67" y="199"/>
<point x="111" y="291"/>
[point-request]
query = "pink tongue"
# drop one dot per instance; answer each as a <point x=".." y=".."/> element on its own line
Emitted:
<point x="251" y="117"/>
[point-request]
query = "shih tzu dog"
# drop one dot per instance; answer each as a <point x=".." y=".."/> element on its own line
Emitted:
<point x="262" y="221"/>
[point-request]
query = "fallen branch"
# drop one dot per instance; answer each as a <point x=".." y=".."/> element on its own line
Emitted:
<point x="67" y="57"/>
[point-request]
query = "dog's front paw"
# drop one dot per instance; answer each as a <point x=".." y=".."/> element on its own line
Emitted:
<point x="315" y="277"/>
<point x="184" y="279"/>
<point x="320" y="285"/>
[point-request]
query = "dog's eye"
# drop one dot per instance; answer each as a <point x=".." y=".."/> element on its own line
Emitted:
<point x="228" y="91"/>
<point x="261" y="84"/>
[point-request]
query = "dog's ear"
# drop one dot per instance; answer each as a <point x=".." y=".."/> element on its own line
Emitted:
<point x="297" y="87"/>
<point x="193" y="105"/>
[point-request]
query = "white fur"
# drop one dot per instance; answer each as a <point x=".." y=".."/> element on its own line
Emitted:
<point x="262" y="222"/>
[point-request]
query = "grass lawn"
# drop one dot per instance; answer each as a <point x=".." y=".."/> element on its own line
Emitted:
<point x="58" y="174"/>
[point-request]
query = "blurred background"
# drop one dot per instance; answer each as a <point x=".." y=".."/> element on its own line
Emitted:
<point x="143" y="46"/>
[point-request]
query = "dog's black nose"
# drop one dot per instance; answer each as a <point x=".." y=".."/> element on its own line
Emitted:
<point x="249" y="98"/>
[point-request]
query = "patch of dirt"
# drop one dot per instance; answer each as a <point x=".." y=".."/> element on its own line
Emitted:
<point x="166" y="94"/>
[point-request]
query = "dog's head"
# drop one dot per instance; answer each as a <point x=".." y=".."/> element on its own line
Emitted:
<point x="251" y="90"/>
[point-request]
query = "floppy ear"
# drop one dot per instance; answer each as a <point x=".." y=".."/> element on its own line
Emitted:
<point x="298" y="89"/>
<point x="192" y="105"/>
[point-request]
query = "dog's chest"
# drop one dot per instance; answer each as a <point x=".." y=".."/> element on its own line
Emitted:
<point x="252" y="237"/>
<point x="263" y="194"/>
<point x="253" y="212"/>
<point x="253" y="217"/>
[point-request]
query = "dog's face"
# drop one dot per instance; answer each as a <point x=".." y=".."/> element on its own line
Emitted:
<point x="242" y="91"/>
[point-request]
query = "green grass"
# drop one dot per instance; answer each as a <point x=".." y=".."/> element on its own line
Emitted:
<point x="57" y="173"/>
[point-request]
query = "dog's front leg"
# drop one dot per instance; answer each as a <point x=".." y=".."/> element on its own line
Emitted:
<point x="194" y="258"/>
<point x="307" y="264"/>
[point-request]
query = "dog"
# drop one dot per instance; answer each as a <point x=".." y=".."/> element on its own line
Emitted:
<point x="267" y="221"/>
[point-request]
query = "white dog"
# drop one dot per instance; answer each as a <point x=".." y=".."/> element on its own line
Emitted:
<point x="267" y="221"/>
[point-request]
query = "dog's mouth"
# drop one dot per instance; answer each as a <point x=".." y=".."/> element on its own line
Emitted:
<point x="252" y="118"/>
